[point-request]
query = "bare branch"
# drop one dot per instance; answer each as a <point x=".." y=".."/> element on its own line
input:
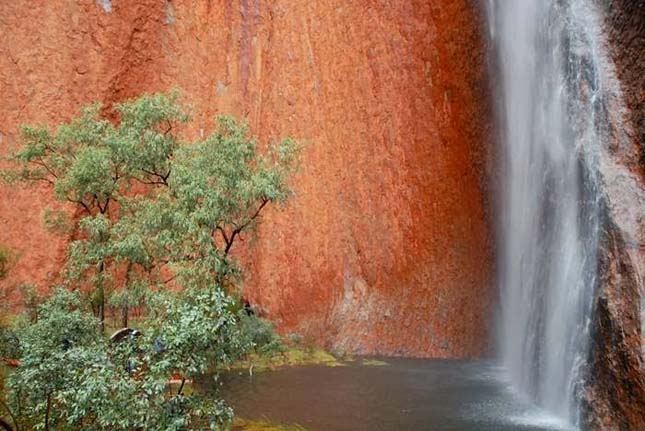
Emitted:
<point x="169" y="127"/>
<point x="81" y="203"/>
<point x="224" y="236"/>
<point x="41" y="162"/>
<point x="162" y="177"/>
<point x="151" y="183"/>
<point x="239" y="229"/>
<point x="47" y="180"/>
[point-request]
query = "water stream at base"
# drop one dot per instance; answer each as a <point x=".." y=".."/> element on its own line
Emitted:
<point x="553" y="122"/>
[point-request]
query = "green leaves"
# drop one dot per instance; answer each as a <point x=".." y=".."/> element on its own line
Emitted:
<point x="51" y="348"/>
<point x="149" y="199"/>
<point x="72" y="377"/>
<point x="153" y="211"/>
<point x="92" y="162"/>
<point x="88" y="179"/>
<point x="146" y="138"/>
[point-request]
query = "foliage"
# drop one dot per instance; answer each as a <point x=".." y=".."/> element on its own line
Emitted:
<point x="153" y="212"/>
<point x="70" y="376"/>
<point x="31" y="300"/>
<point x="53" y="346"/>
<point x="9" y="342"/>
<point x="267" y="351"/>
<point x="260" y="334"/>
<point x="290" y="356"/>
<point x="58" y="222"/>
<point x="371" y="362"/>
<point x="152" y="206"/>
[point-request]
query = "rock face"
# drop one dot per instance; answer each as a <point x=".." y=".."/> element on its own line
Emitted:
<point x="615" y="398"/>
<point x="386" y="246"/>
<point x="625" y="24"/>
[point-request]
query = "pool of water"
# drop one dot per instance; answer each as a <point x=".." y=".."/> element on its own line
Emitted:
<point x="406" y="394"/>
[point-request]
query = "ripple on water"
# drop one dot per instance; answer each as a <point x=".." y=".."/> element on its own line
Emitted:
<point x="406" y="395"/>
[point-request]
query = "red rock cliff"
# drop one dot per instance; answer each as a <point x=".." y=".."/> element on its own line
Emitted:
<point x="385" y="247"/>
<point x="615" y="398"/>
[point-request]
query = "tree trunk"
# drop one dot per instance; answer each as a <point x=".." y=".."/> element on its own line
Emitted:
<point x="124" y="316"/>
<point x="49" y="404"/>
<point x="102" y="308"/>
<point x="126" y="286"/>
<point x="101" y="298"/>
<point x="4" y="425"/>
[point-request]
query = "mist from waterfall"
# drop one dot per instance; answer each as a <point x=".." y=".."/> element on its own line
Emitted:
<point x="553" y="121"/>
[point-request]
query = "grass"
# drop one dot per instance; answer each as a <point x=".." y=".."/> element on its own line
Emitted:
<point x="292" y="356"/>
<point x="296" y="355"/>
<point x="240" y="424"/>
<point x="373" y="363"/>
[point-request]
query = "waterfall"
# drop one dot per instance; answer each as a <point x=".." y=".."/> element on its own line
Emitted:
<point x="553" y="123"/>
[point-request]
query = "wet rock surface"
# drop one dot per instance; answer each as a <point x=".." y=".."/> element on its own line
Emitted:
<point x="386" y="246"/>
<point x="615" y="396"/>
<point x="624" y="21"/>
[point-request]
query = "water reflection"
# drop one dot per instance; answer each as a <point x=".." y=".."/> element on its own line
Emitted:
<point x="407" y="394"/>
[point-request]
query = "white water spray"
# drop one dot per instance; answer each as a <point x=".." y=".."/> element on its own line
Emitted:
<point x="553" y="116"/>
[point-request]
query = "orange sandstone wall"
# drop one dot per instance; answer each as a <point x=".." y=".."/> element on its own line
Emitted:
<point x="386" y="247"/>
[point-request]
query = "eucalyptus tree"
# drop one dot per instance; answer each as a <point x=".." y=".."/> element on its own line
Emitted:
<point x="94" y="164"/>
<point x="71" y="378"/>
<point x="151" y="208"/>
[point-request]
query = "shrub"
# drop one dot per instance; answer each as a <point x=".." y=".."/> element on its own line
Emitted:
<point x="157" y="218"/>
<point x="71" y="376"/>
<point x="260" y="334"/>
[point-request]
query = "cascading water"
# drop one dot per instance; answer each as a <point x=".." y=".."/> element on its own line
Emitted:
<point x="552" y="125"/>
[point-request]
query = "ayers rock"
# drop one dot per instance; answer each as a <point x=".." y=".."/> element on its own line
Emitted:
<point x="387" y="245"/>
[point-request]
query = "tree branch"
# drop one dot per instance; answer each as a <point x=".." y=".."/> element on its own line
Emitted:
<point x="240" y="228"/>
<point x="170" y="279"/>
<point x="41" y="162"/>
<point x="224" y="236"/>
<point x="49" y="403"/>
<point x="181" y="387"/>
<point x="162" y="177"/>
<point x="11" y="415"/>
<point x="151" y="183"/>
<point x="81" y="203"/>
<point x="47" y="180"/>
<point x="105" y="207"/>
<point x="169" y="127"/>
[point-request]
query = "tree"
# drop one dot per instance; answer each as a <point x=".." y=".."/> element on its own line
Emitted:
<point x="152" y="209"/>
<point x="71" y="377"/>
<point x="94" y="164"/>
